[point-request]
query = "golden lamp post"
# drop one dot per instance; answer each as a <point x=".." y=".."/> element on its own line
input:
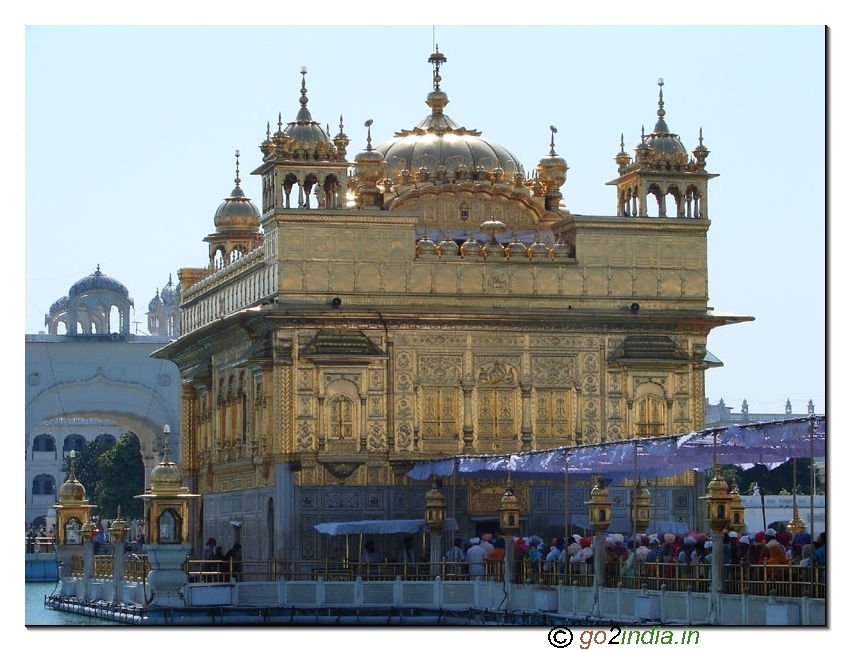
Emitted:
<point x="72" y="510"/>
<point x="167" y="529"/>
<point x="639" y="508"/>
<point x="509" y="523"/>
<point x="435" y="520"/>
<point x="599" y="510"/>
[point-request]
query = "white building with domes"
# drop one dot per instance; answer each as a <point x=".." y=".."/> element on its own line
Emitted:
<point x="89" y="376"/>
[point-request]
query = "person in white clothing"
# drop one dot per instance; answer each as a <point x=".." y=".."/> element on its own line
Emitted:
<point x="475" y="557"/>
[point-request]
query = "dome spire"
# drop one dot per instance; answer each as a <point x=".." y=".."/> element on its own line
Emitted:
<point x="237" y="175"/>
<point x="304" y="113"/>
<point x="368" y="125"/>
<point x="661" y="125"/>
<point x="661" y="112"/>
<point x="437" y="59"/>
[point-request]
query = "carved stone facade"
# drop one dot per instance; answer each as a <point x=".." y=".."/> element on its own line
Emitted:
<point x="453" y="306"/>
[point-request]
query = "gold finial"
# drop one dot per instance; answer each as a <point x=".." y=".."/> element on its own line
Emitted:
<point x="303" y="99"/>
<point x="661" y="111"/>
<point x="237" y="167"/>
<point x="72" y="476"/>
<point x="622" y="144"/>
<point x="552" y="141"/>
<point x="368" y="125"/>
<point x="166" y="449"/>
<point x="437" y="59"/>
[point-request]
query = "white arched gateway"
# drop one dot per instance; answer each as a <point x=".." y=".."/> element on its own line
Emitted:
<point x="91" y="382"/>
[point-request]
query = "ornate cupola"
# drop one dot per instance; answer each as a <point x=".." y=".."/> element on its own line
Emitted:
<point x="599" y="507"/>
<point x="368" y="172"/>
<point x="72" y="509"/>
<point x="341" y="140"/>
<point x="661" y="167"/>
<point x="622" y="159"/>
<point x="167" y="501"/>
<point x="552" y="173"/>
<point x="87" y="308"/>
<point x="718" y="502"/>
<point x="304" y="167"/>
<point x="237" y="227"/>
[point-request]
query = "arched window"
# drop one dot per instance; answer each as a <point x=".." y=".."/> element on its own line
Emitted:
<point x="43" y="484"/>
<point x="341" y="410"/>
<point x="107" y="439"/>
<point x="74" y="442"/>
<point x="649" y="416"/>
<point x="72" y="531"/>
<point x="170" y="527"/>
<point x="44" y="442"/>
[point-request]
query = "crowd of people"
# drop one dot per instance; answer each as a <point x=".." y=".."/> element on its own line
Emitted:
<point x="767" y="552"/>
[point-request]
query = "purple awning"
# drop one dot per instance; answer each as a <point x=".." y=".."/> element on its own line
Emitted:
<point x="767" y="443"/>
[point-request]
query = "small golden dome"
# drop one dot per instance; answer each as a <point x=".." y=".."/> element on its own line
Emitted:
<point x="516" y="249"/>
<point x="426" y="247"/>
<point x="493" y="248"/>
<point x="539" y="249"/>
<point x="717" y="485"/>
<point x="166" y="477"/>
<point x="448" y="246"/>
<point x="470" y="247"/>
<point x="237" y="213"/>
<point x="72" y="490"/>
<point x="561" y="249"/>
<point x="552" y="169"/>
<point x="369" y="163"/>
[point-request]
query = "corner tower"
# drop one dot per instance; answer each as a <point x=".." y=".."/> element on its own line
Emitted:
<point x="661" y="167"/>
<point x="237" y="227"/>
<point x="303" y="161"/>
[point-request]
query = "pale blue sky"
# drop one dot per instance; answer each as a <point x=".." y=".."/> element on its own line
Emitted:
<point x="131" y="132"/>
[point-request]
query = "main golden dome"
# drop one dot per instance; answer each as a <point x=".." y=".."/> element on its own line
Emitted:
<point x="439" y="148"/>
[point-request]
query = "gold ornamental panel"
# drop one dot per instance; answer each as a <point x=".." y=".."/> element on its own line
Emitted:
<point x="485" y="497"/>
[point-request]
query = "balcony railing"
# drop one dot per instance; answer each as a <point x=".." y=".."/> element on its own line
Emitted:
<point x="757" y="580"/>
